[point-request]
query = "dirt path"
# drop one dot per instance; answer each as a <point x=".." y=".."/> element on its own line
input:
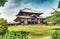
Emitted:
<point x="47" y="37"/>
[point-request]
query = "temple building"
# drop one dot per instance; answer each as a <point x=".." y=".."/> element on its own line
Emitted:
<point x="28" y="16"/>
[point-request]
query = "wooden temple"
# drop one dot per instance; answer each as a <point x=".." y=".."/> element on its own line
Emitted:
<point x="28" y="16"/>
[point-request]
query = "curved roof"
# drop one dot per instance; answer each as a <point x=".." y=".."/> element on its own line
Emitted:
<point x="27" y="10"/>
<point x="30" y="10"/>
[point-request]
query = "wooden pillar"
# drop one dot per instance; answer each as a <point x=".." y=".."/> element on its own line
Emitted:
<point x="25" y="22"/>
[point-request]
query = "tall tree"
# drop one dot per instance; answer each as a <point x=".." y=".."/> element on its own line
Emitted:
<point x="55" y="18"/>
<point x="2" y="2"/>
<point x="59" y="4"/>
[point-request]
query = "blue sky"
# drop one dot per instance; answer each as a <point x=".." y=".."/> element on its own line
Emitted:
<point x="12" y="7"/>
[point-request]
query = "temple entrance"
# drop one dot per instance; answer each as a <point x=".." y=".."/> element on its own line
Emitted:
<point x="21" y="22"/>
<point x="34" y="22"/>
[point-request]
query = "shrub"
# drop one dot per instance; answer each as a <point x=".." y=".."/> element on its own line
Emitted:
<point x="56" y="34"/>
<point x="3" y="26"/>
<point x="16" y="35"/>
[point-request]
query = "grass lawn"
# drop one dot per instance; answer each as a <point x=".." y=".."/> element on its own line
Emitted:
<point x="36" y="31"/>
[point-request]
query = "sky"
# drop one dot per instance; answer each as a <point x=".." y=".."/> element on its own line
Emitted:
<point x="12" y="7"/>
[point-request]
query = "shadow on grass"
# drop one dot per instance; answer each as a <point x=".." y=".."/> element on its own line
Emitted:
<point x="56" y="29"/>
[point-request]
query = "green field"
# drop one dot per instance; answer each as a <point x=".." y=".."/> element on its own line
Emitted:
<point x="36" y="31"/>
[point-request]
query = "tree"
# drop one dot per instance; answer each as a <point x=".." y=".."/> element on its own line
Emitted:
<point x="55" y="18"/>
<point x="2" y="2"/>
<point x="59" y="4"/>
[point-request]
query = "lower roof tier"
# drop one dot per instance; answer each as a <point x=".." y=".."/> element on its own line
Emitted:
<point x="27" y="18"/>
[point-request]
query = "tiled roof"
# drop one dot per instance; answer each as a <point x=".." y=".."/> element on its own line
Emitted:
<point x="27" y="10"/>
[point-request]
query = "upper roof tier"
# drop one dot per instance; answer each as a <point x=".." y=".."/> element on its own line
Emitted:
<point x="30" y="10"/>
<point x="27" y="10"/>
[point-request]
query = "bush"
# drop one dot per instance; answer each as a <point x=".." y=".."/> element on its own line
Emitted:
<point x="56" y="34"/>
<point x="3" y="26"/>
<point x="16" y="35"/>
